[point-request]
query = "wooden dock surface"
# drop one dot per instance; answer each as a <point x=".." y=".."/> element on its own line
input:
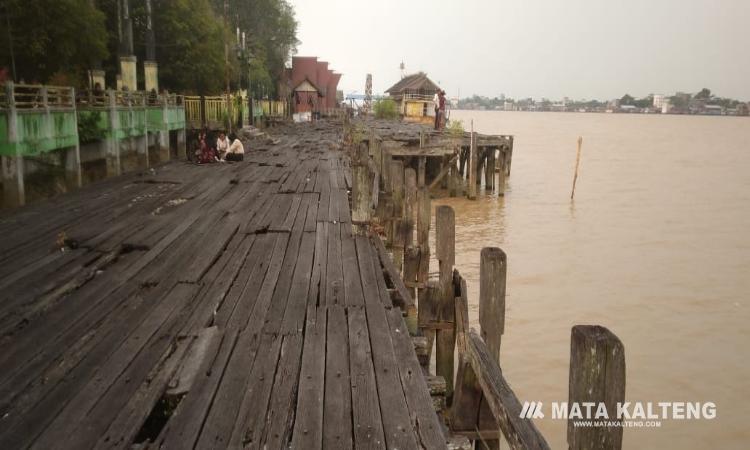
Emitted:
<point x="218" y="306"/>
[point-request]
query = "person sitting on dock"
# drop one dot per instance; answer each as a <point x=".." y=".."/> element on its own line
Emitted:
<point x="222" y="145"/>
<point x="236" y="151"/>
<point x="205" y="153"/>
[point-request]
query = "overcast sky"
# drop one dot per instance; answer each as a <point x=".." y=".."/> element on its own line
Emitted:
<point x="535" y="48"/>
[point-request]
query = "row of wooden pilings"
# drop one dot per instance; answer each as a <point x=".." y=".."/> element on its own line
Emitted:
<point x="474" y="161"/>
<point x="479" y="402"/>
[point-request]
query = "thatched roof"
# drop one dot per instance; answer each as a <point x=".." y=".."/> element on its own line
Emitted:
<point x="414" y="82"/>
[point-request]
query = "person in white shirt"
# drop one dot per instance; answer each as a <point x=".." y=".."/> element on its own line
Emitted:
<point x="236" y="150"/>
<point x="222" y="145"/>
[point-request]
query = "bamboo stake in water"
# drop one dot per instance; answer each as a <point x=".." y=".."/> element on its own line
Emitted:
<point x="578" y="161"/>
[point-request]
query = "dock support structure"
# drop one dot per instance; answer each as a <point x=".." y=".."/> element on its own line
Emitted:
<point x="469" y="398"/>
<point x="597" y="375"/>
<point x="112" y="148"/>
<point x="472" y="169"/>
<point x="13" y="185"/>
<point x="445" y="252"/>
<point x="181" y="144"/>
<point x="12" y="166"/>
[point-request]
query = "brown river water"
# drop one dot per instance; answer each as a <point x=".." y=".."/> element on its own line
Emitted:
<point x="656" y="247"/>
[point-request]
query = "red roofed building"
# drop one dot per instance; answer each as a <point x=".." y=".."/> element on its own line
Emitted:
<point x="311" y="84"/>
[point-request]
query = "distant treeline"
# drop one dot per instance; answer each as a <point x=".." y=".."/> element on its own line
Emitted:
<point x="57" y="41"/>
<point x="679" y="101"/>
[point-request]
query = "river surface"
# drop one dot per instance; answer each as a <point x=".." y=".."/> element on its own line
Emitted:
<point x="655" y="247"/>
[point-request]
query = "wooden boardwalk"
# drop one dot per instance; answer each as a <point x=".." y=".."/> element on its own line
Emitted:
<point x="220" y="306"/>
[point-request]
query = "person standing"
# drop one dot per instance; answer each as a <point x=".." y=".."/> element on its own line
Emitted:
<point x="441" y="115"/>
<point x="436" y="101"/>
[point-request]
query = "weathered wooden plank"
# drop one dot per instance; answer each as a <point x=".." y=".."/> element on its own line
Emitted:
<point x="353" y="294"/>
<point x="249" y="423"/>
<point x="424" y="419"/>
<point x="334" y="294"/>
<point x="280" y="416"/>
<point x="294" y="315"/>
<point x="397" y="425"/>
<point x="308" y="425"/>
<point x="366" y="414"/>
<point x="337" y="408"/>
<point x="183" y="428"/>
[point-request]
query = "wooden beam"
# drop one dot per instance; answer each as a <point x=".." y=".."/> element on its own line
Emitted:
<point x="443" y="172"/>
<point x="520" y="433"/>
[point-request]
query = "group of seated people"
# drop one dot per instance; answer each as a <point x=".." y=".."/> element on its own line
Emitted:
<point x="224" y="149"/>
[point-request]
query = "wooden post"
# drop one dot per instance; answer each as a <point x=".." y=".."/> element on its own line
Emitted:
<point x="597" y="374"/>
<point x="489" y="170"/>
<point x="508" y="156"/>
<point x="578" y="161"/>
<point x="472" y="179"/>
<point x="397" y="197"/>
<point x="427" y="310"/>
<point x="424" y="212"/>
<point x="492" y="277"/>
<point x="445" y="252"/>
<point x="12" y="167"/>
<point x="410" y="202"/>
<point x="481" y="157"/>
<point x="421" y="169"/>
<point x="501" y="174"/>
<point x="492" y="273"/>
<point x="411" y="253"/>
<point x="113" y="144"/>
<point x="361" y="199"/>
<point x="462" y="161"/>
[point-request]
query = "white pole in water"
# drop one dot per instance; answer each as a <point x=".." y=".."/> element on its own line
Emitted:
<point x="578" y="161"/>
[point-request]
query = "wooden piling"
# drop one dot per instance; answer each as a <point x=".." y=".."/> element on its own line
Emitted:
<point x="424" y="212"/>
<point x="489" y="170"/>
<point x="361" y="196"/>
<point x="472" y="178"/>
<point x="492" y="274"/>
<point x="412" y="253"/>
<point x="410" y="202"/>
<point x="445" y="252"/>
<point x="492" y="279"/>
<point x="397" y="197"/>
<point x="481" y="157"/>
<point x="421" y="170"/>
<point x="597" y="374"/>
<point x="578" y="162"/>
<point x="501" y="172"/>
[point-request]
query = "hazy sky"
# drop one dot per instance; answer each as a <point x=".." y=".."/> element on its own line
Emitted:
<point x="535" y="48"/>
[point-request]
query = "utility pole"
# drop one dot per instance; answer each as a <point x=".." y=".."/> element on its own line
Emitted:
<point x="10" y="41"/>
<point x="128" y="60"/>
<point x="150" y="67"/>
<point x="226" y="65"/>
<point x="367" y="106"/>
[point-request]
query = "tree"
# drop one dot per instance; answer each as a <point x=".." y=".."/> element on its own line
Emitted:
<point x="704" y="94"/>
<point x="53" y="39"/>
<point x="627" y="99"/>
<point x="271" y="30"/>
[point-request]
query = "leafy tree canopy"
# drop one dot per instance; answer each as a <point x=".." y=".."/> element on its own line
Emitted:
<point x="191" y="36"/>
<point x="52" y="39"/>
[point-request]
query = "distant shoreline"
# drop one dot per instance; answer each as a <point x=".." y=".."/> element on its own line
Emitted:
<point x="619" y="113"/>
